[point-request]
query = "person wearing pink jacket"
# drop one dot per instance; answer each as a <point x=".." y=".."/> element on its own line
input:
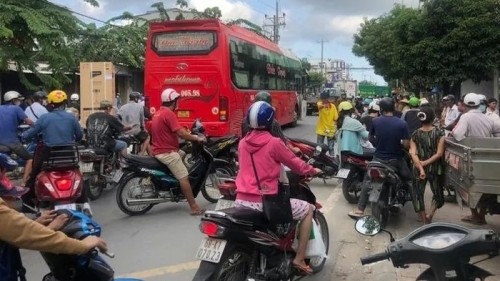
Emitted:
<point x="269" y="153"/>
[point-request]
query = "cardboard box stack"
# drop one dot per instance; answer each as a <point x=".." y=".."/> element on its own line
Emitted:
<point x="97" y="83"/>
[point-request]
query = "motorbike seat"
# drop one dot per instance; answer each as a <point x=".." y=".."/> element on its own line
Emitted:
<point x="246" y="216"/>
<point x="310" y="143"/>
<point x="364" y="156"/>
<point x="146" y="161"/>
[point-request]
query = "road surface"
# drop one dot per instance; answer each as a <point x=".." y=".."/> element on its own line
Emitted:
<point x="161" y="244"/>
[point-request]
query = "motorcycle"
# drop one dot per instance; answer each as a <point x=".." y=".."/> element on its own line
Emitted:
<point x="18" y="172"/>
<point x="225" y="151"/>
<point x="446" y="248"/>
<point x="144" y="182"/>
<point x="60" y="183"/>
<point x="388" y="192"/>
<point x="241" y="238"/>
<point x="309" y="150"/>
<point x="80" y="268"/>
<point x="353" y="172"/>
<point x="318" y="158"/>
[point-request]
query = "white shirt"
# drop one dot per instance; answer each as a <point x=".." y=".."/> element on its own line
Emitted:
<point x="451" y="115"/>
<point x="492" y="115"/>
<point x="34" y="111"/>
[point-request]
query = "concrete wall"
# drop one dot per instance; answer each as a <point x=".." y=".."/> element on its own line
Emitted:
<point x="487" y="88"/>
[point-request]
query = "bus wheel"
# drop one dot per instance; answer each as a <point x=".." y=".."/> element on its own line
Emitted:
<point x="295" y="118"/>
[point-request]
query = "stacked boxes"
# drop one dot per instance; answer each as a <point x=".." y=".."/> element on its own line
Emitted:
<point x="97" y="83"/>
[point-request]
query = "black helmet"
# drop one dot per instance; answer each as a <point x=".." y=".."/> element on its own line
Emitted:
<point x="263" y="96"/>
<point x="387" y="104"/>
<point x="134" y="95"/>
<point x="324" y="95"/>
<point x="40" y="95"/>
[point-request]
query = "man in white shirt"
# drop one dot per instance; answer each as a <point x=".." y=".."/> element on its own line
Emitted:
<point x="452" y="113"/>
<point x="36" y="109"/>
<point x="491" y="111"/>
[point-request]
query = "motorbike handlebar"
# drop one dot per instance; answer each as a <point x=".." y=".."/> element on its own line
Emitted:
<point x="94" y="252"/>
<point x="375" y="258"/>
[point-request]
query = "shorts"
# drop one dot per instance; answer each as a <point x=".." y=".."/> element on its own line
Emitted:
<point x="142" y="136"/>
<point x="300" y="208"/>
<point x="18" y="149"/>
<point x="119" y="146"/>
<point x="173" y="161"/>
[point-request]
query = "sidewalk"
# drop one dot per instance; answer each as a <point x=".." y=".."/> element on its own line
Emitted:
<point x="348" y="266"/>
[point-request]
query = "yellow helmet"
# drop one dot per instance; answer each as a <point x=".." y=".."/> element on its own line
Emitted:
<point x="57" y="96"/>
<point x="345" y="106"/>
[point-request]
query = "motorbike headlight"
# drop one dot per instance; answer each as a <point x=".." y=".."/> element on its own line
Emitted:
<point x="437" y="241"/>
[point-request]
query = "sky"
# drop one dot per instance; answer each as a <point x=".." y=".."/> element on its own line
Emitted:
<point x="307" y="22"/>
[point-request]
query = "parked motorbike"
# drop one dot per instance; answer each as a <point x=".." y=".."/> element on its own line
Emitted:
<point x="353" y="172"/>
<point x="18" y="172"/>
<point x="388" y="192"/>
<point x="446" y="248"/>
<point x="80" y="268"/>
<point x="309" y="150"/>
<point x="240" y="244"/>
<point x="223" y="149"/>
<point x="144" y="181"/>
<point x="98" y="167"/>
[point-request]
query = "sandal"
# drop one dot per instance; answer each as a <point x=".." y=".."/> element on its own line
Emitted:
<point x="355" y="214"/>
<point x="304" y="269"/>
<point x="198" y="213"/>
<point x="469" y="219"/>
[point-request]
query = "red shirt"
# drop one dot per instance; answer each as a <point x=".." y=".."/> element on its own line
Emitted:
<point x="164" y="127"/>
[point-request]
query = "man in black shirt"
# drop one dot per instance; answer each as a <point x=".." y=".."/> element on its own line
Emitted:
<point x="103" y="128"/>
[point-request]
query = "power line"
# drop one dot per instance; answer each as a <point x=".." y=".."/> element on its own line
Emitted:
<point x="277" y="21"/>
<point x="79" y="14"/>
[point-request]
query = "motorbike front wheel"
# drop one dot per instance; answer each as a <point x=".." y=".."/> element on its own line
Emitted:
<point x="351" y="187"/>
<point x="93" y="187"/>
<point x="211" y="191"/>
<point x="133" y="188"/>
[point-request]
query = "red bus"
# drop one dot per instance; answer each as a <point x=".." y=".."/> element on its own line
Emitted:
<point x="218" y="69"/>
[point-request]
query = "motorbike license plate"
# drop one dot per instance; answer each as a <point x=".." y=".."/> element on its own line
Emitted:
<point x="342" y="173"/>
<point x="224" y="204"/>
<point x="66" y="206"/>
<point x="211" y="249"/>
<point x="118" y="176"/>
<point x="183" y="114"/>
<point x="86" y="167"/>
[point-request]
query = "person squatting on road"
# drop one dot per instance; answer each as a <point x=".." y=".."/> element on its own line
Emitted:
<point x="427" y="150"/>
<point x="388" y="132"/>
<point x="327" y="116"/>
<point x="165" y="133"/>
<point x="261" y="155"/>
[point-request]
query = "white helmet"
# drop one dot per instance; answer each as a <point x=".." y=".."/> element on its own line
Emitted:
<point x="482" y="97"/>
<point x="374" y="106"/>
<point x="75" y="97"/>
<point x="10" y="95"/>
<point x="169" y="95"/>
<point x="472" y="99"/>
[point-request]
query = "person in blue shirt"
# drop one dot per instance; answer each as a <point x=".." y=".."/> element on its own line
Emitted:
<point x="350" y="132"/>
<point x="59" y="128"/>
<point x="391" y="135"/>
<point x="11" y="117"/>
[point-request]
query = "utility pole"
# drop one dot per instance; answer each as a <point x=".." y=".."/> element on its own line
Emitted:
<point x="276" y="22"/>
<point x="322" y="64"/>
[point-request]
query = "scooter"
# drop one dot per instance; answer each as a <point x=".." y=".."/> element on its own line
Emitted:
<point x="80" y="268"/>
<point x="446" y="248"/>
<point x="18" y="172"/>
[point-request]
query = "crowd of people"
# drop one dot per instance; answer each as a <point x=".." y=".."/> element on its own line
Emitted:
<point x="405" y="133"/>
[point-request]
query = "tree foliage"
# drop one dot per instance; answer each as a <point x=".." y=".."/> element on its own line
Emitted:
<point x="367" y="83"/>
<point x="444" y="43"/>
<point x="34" y="31"/>
<point x="315" y="78"/>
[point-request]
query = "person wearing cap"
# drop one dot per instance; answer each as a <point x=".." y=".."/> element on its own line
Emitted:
<point x="474" y="123"/>
<point x="103" y="128"/>
<point x="403" y="105"/>
<point x="11" y="117"/>
<point x="327" y="116"/>
<point x="132" y="114"/>
<point x="410" y="116"/>
<point x="451" y="113"/>
<point x="37" y="108"/>
<point x="74" y="101"/>
<point x="373" y="112"/>
<point x="351" y="133"/>
<point x="166" y="131"/>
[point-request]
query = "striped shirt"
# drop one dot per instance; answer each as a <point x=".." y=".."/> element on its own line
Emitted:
<point x="275" y="130"/>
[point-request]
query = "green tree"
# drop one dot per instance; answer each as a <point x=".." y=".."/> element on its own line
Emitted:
<point x="368" y="83"/>
<point x="38" y="30"/>
<point x="306" y="65"/>
<point x="315" y="78"/>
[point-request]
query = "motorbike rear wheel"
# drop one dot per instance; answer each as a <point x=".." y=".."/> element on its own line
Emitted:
<point x="94" y="188"/>
<point x="233" y="266"/>
<point x="124" y="191"/>
<point x="318" y="263"/>
<point x="351" y="188"/>
<point x="211" y="192"/>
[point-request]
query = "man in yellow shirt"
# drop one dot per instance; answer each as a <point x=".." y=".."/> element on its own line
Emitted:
<point x="326" y="126"/>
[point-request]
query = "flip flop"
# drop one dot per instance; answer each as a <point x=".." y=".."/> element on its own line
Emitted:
<point x="198" y="213"/>
<point x="469" y="219"/>
<point x="305" y="269"/>
<point x="355" y="215"/>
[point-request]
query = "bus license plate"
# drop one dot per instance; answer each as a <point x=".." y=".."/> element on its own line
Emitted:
<point x="183" y="114"/>
<point x="224" y="204"/>
<point x="342" y="173"/>
<point x="118" y="176"/>
<point x="65" y="206"/>
<point x="86" y="167"/>
<point x="211" y="249"/>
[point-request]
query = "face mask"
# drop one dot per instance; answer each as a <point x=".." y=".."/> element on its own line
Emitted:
<point x="482" y="108"/>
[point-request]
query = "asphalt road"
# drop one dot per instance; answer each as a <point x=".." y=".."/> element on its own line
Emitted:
<point x="161" y="244"/>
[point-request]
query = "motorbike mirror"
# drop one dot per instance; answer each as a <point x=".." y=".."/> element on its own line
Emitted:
<point x="367" y="225"/>
<point x="317" y="151"/>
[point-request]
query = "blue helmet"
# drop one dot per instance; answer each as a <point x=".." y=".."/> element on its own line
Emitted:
<point x="7" y="163"/>
<point x="324" y="95"/>
<point x="260" y="115"/>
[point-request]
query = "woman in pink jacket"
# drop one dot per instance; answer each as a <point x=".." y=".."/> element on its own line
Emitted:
<point x="269" y="153"/>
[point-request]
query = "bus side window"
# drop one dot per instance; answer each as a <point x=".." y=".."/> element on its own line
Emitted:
<point x="234" y="48"/>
